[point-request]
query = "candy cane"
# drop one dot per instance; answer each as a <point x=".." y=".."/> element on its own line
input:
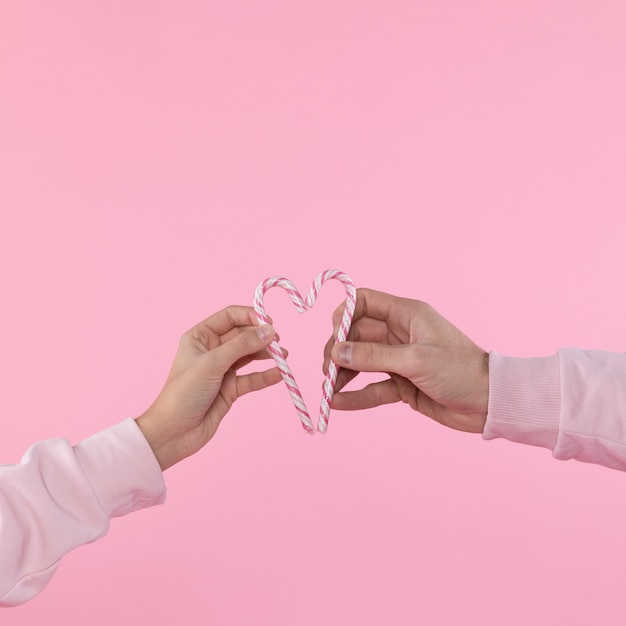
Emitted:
<point x="275" y="350"/>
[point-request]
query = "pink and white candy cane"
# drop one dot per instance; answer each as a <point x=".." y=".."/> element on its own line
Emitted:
<point x="303" y="306"/>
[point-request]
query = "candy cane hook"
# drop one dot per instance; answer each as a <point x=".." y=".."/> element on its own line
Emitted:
<point x="302" y="305"/>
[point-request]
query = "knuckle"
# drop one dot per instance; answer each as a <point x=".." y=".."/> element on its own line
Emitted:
<point x="338" y="314"/>
<point x="355" y="333"/>
<point x="188" y="336"/>
<point x="377" y="393"/>
<point x="248" y="339"/>
<point x="369" y="353"/>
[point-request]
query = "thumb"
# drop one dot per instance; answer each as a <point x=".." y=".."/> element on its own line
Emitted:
<point x="250" y="341"/>
<point x="373" y="357"/>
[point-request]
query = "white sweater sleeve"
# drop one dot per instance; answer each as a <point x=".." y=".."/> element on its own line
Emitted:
<point x="60" y="497"/>
<point x="573" y="403"/>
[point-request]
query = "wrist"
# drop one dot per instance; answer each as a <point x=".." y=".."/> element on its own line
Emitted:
<point x="163" y="444"/>
<point x="482" y="388"/>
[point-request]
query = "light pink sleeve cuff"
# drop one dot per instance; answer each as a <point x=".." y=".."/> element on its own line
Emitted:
<point x="524" y="400"/>
<point x="573" y="403"/>
<point x="121" y="469"/>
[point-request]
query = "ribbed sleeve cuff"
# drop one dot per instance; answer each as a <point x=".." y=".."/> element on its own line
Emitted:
<point x="122" y="469"/>
<point x="524" y="400"/>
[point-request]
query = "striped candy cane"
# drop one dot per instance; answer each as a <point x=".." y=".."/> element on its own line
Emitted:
<point x="303" y="306"/>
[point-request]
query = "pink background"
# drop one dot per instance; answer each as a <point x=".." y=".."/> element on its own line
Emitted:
<point x="159" y="159"/>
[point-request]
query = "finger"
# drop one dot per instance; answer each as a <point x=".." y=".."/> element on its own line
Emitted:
<point x="364" y="330"/>
<point x="407" y="391"/>
<point x="259" y="356"/>
<point x="327" y="350"/>
<point x="374" y="357"/>
<point x="245" y="344"/>
<point x="372" y="395"/>
<point x="226" y="337"/>
<point x="369" y="303"/>
<point x="344" y="376"/>
<point x="199" y="341"/>
<point x="257" y="381"/>
<point x="225" y="320"/>
<point x="367" y="329"/>
<point x="196" y="343"/>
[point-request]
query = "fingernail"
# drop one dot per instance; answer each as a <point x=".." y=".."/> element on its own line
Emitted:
<point x="344" y="353"/>
<point x="264" y="332"/>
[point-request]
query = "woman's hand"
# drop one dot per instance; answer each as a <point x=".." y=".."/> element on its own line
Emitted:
<point x="203" y="383"/>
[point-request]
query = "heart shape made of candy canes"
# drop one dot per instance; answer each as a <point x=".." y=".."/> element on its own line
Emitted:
<point x="276" y="351"/>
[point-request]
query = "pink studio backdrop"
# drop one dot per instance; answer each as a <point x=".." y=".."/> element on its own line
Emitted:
<point x="159" y="159"/>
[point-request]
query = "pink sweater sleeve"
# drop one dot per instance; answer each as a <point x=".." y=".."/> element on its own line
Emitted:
<point x="60" y="497"/>
<point x="573" y="403"/>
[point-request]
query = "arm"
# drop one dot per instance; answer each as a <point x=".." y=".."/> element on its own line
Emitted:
<point x="573" y="403"/>
<point x="60" y="497"/>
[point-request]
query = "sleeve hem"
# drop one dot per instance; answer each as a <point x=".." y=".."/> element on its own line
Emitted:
<point x="524" y="400"/>
<point x="122" y="469"/>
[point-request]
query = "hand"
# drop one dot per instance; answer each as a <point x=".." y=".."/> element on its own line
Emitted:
<point x="432" y="366"/>
<point x="203" y="383"/>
